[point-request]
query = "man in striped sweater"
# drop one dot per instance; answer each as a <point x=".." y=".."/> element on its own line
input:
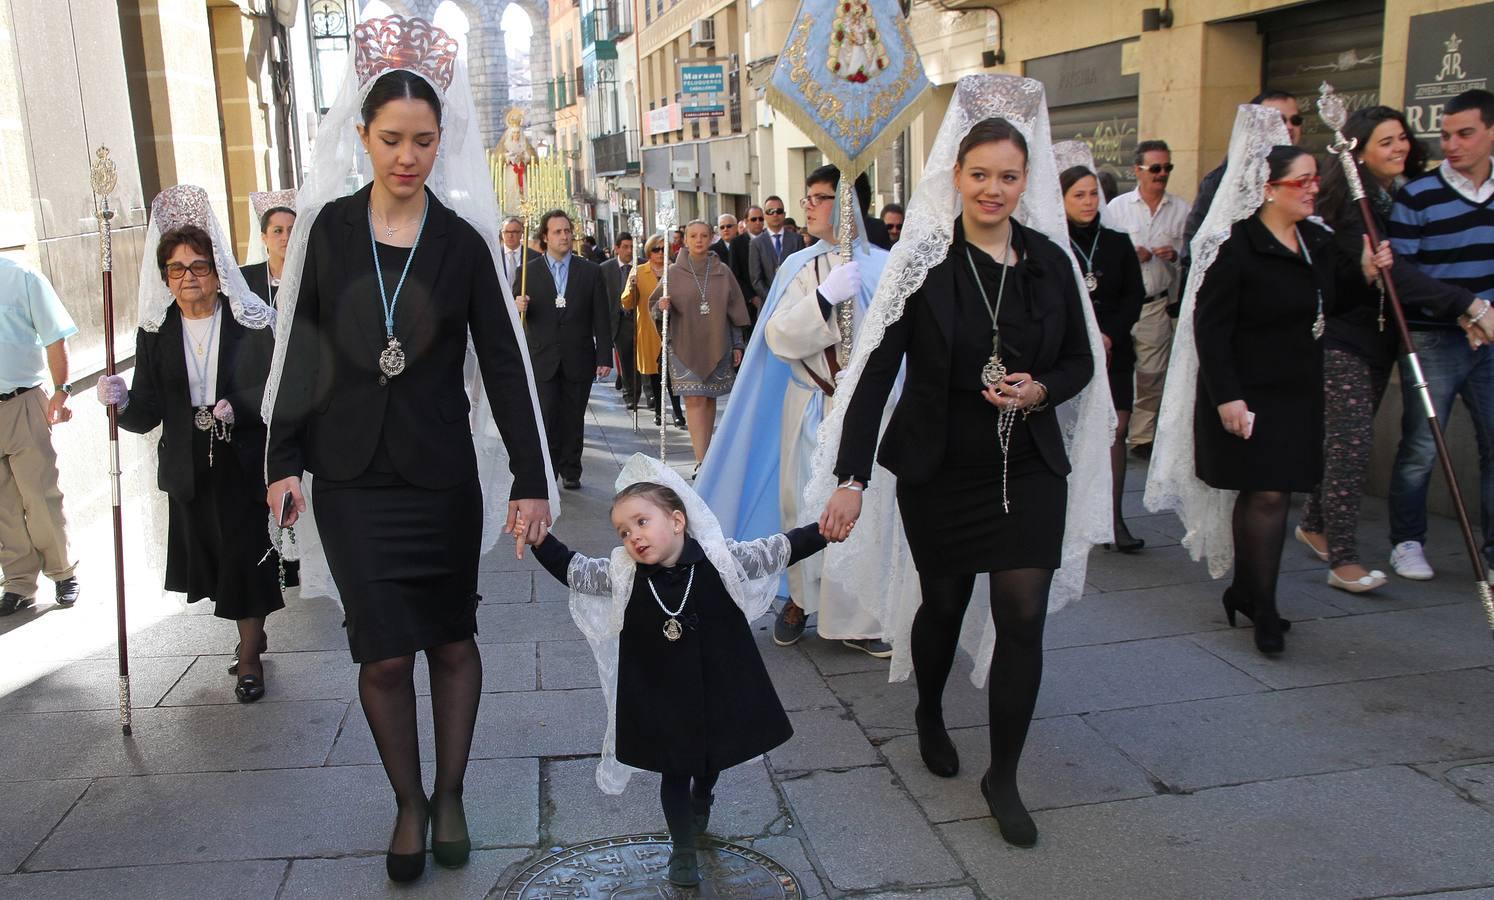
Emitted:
<point x="1443" y="221"/>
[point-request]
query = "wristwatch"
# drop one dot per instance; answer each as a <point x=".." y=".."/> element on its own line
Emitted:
<point x="66" y="388"/>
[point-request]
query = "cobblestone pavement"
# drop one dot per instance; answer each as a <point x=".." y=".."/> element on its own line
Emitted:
<point x="1168" y="758"/>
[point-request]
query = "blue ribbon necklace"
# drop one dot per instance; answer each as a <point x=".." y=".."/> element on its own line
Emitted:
<point x="392" y="359"/>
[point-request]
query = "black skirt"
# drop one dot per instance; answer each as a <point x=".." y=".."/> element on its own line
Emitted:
<point x="703" y="703"/>
<point x="404" y="559"/>
<point x="1285" y="450"/>
<point x="955" y="521"/>
<point x="218" y="543"/>
<point x="1121" y="371"/>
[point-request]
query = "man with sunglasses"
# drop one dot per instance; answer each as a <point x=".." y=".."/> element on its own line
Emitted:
<point x="34" y="328"/>
<point x="1154" y="219"/>
<point x="740" y="247"/>
<point x="892" y="218"/>
<point x="772" y="247"/>
<point x="1291" y="116"/>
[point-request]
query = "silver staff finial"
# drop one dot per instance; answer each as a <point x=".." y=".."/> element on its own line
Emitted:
<point x="1333" y="111"/>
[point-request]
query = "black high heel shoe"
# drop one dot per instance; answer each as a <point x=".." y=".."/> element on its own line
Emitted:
<point x="450" y="854"/>
<point x="264" y="647"/>
<point x="406" y="867"/>
<point x="1134" y="545"/>
<point x="249" y="688"/>
<point x="1013" y="821"/>
<point x="1232" y="605"/>
<point x="1268" y="639"/>
<point x="938" y="751"/>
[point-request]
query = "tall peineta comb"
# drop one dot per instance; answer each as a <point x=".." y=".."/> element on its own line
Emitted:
<point x="397" y="42"/>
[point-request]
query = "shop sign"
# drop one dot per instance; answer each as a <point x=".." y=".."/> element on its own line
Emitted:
<point x="1446" y="54"/>
<point x="702" y="90"/>
<point x="664" y="119"/>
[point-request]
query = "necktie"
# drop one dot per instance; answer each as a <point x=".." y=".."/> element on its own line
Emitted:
<point x="778" y="246"/>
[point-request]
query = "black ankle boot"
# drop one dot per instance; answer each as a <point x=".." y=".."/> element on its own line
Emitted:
<point x="684" y="865"/>
<point x="1233" y="604"/>
<point x="450" y="854"/>
<point x="1012" y="819"/>
<point x="701" y="807"/>
<point x="403" y="867"/>
<point x="938" y="751"/>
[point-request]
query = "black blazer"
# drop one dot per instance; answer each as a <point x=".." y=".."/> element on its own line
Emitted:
<point x="1255" y="309"/>
<point x="741" y="253"/>
<point x="332" y="409"/>
<point x="614" y="277"/>
<point x="160" y="395"/>
<point x="1121" y="292"/>
<point x="913" y="446"/>
<point x="258" y="277"/>
<point x="568" y="343"/>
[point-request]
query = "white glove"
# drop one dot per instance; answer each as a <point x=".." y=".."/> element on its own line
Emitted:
<point x="112" y="391"/>
<point x="843" y="284"/>
<point x="223" y="412"/>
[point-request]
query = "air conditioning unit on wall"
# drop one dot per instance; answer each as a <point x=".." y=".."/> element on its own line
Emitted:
<point x="703" y="33"/>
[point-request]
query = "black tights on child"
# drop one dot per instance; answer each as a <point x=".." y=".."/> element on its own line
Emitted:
<point x="1019" y="604"/>
<point x="685" y="798"/>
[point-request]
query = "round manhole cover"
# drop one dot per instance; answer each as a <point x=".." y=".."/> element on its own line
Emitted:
<point x="633" y="867"/>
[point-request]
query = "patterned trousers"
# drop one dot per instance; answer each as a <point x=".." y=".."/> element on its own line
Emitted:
<point x="1353" y="390"/>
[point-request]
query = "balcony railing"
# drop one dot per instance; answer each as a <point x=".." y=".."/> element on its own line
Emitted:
<point x="609" y="22"/>
<point x="616" y="154"/>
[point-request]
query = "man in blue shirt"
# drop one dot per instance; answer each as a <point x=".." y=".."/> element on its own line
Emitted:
<point x="34" y="328"/>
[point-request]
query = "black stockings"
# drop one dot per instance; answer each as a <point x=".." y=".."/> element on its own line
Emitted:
<point x="1019" y="604"/>
<point x="387" y="691"/>
<point x="1260" y="523"/>
<point x="684" y="796"/>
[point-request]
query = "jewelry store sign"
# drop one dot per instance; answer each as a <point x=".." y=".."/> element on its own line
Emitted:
<point x="1447" y="53"/>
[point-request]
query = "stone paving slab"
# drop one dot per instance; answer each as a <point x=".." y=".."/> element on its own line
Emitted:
<point x="848" y="818"/>
<point x="1476" y="780"/>
<point x="823" y="739"/>
<point x="796" y="680"/>
<point x="1358" y="647"/>
<point x="1066" y="763"/>
<point x="28" y="811"/>
<point x="949" y="893"/>
<point x="1270" y="839"/>
<point x="181" y="636"/>
<point x="363" y="878"/>
<point x="1484" y="893"/>
<point x="264" y="735"/>
<point x="537" y="723"/>
<point x="88" y="684"/>
<point x="789" y="852"/>
<point x="196" y="881"/>
<point x="506" y="587"/>
<point x="1415" y="718"/>
<point x="289" y="813"/>
<point x="576" y="810"/>
<point x="1139" y="673"/>
<point x="830" y="657"/>
<point x="885" y="708"/>
<point x="509" y="623"/>
<point x="565" y="665"/>
<point x="308" y="675"/>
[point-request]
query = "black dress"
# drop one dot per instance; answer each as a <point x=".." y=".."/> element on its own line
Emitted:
<point x="703" y="703"/>
<point x="1253" y="323"/>
<point x="396" y="496"/>
<point x="1117" y="299"/>
<point x="217" y="537"/>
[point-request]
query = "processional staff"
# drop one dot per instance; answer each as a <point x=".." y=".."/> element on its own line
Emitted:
<point x="666" y="228"/>
<point x="104" y="179"/>
<point x="1334" y="112"/>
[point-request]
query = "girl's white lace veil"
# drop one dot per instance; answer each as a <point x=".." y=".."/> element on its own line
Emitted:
<point x="1171" y="480"/>
<point x="874" y="566"/>
<point x="462" y="181"/>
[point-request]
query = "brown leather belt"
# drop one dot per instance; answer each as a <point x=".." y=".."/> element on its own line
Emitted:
<point x="833" y="362"/>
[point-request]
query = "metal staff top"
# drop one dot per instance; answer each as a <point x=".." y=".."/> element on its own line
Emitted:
<point x="105" y="179"/>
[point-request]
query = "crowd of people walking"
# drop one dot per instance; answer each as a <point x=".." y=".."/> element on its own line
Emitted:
<point x="405" y="376"/>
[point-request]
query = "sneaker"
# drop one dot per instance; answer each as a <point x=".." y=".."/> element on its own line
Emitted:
<point x="789" y="626"/>
<point x="67" y="591"/>
<point x="10" y="602"/>
<point x="871" y="647"/>
<point x="1408" y="561"/>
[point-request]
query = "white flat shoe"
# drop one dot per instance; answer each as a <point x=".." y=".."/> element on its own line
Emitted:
<point x="1360" y="585"/>
<point x="1302" y="536"/>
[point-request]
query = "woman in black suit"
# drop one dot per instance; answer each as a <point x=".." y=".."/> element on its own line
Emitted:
<point x="1258" y="419"/>
<point x="1113" y="276"/>
<point x="980" y="462"/>
<point x="275" y="225"/>
<point x="200" y="376"/>
<point x="372" y="401"/>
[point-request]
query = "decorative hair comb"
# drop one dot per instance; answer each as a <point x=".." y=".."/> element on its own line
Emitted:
<point x="264" y="201"/>
<point x="396" y="42"/>
<point x="184" y="204"/>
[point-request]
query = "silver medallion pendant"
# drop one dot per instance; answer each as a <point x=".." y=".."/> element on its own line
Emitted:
<point x="672" y="629"/>
<point x="705" y="308"/>
<point x="560" y="303"/>
<point x="203" y="419"/>
<point x="1320" y="325"/>
<point x="392" y="360"/>
<point x="1091" y="282"/>
<point x="994" y="371"/>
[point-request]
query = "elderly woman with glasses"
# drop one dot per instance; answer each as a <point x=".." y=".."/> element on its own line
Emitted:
<point x="641" y="283"/>
<point x="200" y="369"/>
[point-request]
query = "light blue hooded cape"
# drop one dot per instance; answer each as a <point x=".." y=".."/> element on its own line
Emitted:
<point x="739" y="477"/>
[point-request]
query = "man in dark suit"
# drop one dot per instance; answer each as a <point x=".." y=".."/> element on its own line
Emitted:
<point x="726" y="232"/>
<point x="514" y="250"/>
<point x="615" y="272"/>
<point x="749" y="227"/>
<point x="771" y="247"/>
<point x="570" y="339"/>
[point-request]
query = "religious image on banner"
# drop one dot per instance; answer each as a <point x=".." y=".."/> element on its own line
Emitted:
<point x="856" y="52"/>
<point x="849" y="78"/>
